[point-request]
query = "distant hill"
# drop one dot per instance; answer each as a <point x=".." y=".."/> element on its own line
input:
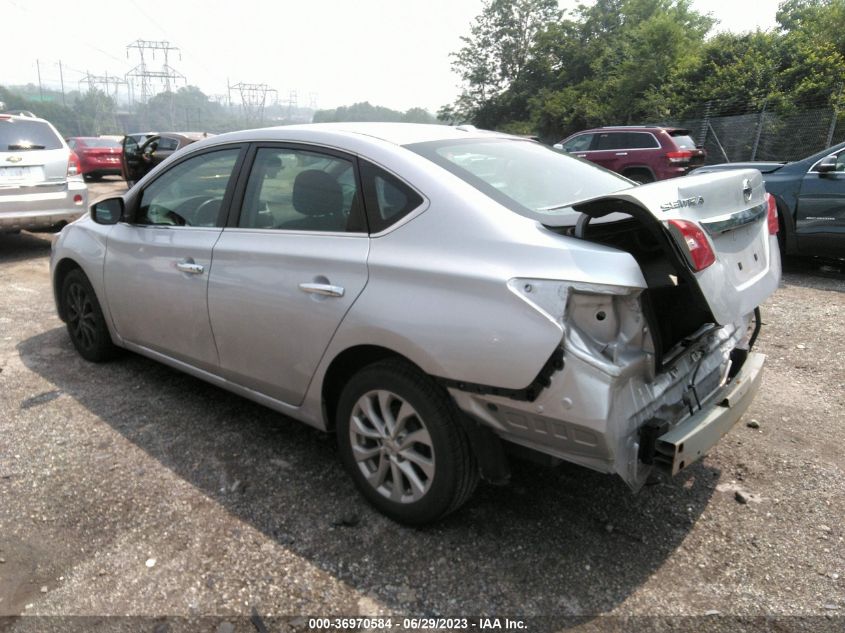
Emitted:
<point x="367" y="112"/>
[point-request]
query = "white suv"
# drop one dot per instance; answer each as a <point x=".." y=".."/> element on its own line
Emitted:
<point x="40" y="182"/>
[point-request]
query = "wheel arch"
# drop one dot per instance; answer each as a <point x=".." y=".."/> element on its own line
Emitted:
<point x="62" y="269"/>
<point x="634" y="169"/>
<point x="786" y="226"/>
<point x="345" y="365"/>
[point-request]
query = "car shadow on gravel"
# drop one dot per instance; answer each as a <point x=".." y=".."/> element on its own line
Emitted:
<point x="15" y="247"/>
<point x="563" y="541"/>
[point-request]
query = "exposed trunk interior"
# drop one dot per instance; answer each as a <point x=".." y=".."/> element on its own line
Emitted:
<point x="673" y="303"/>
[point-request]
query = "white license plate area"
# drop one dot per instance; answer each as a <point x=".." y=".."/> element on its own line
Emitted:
<point x="24" y="173"/>
<point x="743" y="252"/>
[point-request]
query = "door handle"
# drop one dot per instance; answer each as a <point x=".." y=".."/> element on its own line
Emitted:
<point x="621" y="153"/>
<point x="188" y="266"/>
<point x="326" y="290"/>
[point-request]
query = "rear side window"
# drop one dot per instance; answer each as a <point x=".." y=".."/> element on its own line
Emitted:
<point x="19" y="135"/>
<point x="640" y="140"/>
<point x="300" y="190"/>
<point x="682" y="139"/>
<point x="388" y="199"/>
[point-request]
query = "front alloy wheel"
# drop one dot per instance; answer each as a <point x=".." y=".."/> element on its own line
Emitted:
<point x="84" y="317"/>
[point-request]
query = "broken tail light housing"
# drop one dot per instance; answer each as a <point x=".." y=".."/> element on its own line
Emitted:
<point x="772" y="214"/>
<point x="700" y="254"/>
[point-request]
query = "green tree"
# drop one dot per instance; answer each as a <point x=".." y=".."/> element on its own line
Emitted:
<point x="95" y="112"/>
<point x="497" y="51"/>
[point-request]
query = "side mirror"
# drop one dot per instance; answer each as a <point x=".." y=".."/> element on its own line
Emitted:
<point x="558" y="146"/>
<point x="828" y="165"/>
<point x="108" y="211"/>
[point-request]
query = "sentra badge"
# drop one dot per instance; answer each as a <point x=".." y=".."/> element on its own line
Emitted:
<point x="684" y="202"/>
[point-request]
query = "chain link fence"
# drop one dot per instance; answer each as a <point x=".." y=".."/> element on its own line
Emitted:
<point x="730" y="134"/>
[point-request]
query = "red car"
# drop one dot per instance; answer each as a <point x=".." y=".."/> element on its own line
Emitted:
<point x="642" y="153"/>
<point x="98" y="156"/>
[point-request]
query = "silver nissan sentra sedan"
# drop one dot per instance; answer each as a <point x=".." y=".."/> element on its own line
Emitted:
<point x="439" y="297"/>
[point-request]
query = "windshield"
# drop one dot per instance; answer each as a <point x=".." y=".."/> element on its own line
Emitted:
<point x="528" y="178"/>
<point x="17" y="135"/>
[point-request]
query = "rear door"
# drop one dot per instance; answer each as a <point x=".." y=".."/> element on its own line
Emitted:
<point x="156" y="269"/>
<point x="288" y="268"/>
<point x="610" y="150"/>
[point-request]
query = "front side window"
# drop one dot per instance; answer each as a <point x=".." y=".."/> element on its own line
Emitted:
<point x="301" y="190"/>
<point x="579" y="143"/>
<point x="190" y="193"/>
<point x="528" y="178"/>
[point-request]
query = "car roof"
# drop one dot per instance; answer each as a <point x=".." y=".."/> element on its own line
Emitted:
<point x="21" y="117"/>
<point x="395" y="133"/>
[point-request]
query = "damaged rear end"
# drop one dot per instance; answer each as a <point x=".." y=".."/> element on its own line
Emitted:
<point x="707" y="247"/>
<point x="652" y="377"/>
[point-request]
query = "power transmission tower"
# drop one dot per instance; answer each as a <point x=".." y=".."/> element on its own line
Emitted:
<point x="109" y="84"/>
<point x="148" y="76"/>
<point x="253" y="100"/>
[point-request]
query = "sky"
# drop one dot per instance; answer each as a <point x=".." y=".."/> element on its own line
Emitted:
<point x="327" y="53"/>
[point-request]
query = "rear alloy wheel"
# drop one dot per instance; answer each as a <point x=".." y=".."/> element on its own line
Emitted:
<point x="85" y="323"/>
<point x="401" y="439"/>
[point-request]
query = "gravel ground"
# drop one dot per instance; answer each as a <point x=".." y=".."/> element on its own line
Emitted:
<point x="131" y="489"/>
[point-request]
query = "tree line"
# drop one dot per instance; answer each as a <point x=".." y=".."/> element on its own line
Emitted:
<point x="528" y="67"/>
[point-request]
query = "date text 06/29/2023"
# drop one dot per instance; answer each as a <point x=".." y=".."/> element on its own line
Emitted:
<point x="446" y="624"/>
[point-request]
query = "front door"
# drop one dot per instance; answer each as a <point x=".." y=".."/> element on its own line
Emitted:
<point x="156" y="270"/>
<point x="820" y="219"/>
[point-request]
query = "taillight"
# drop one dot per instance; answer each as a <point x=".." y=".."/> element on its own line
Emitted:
<point x="683" y="156"/>
<point x="74" y="168"/>
<point x="701" y="254"/>
<point x="773" y="214"/>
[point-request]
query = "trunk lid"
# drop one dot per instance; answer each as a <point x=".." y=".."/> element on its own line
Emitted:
<point x="731" y="209"/>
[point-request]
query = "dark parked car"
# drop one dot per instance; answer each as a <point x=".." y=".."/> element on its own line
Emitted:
<point x="810" y="196"/>
<point x="143" y="151"/>
<point x="98" y="156"/>
<point x="641" y="153"/>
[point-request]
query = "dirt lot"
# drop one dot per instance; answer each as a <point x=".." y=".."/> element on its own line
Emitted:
<point x="131" y="489"/>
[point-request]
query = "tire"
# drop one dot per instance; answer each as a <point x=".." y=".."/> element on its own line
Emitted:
<point x="85" y="322"/>
<point x="642" y="177"/>
<point x="436" y="474"/>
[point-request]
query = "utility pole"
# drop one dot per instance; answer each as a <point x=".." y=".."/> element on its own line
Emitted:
<point x="40" y="87"/>
<point x="62" y="80"/>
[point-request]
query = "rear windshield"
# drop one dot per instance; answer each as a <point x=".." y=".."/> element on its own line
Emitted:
<point x="99" y="142"/>
<point x="528" y="178"/>
<point x="682" y="139"/>
<point x="19" y="135"/>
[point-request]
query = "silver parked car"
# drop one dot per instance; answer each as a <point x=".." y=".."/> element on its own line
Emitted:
<point x="438" y="297"/>
<point x="40" y="177"/>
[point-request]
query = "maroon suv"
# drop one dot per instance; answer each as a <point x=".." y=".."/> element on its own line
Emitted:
<point x="642" y="153"/>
